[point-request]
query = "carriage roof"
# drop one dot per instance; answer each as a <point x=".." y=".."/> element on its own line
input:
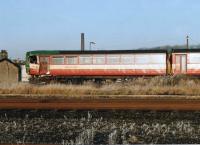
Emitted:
<point x="63" y="52"/>
<point x="186" y="50"/>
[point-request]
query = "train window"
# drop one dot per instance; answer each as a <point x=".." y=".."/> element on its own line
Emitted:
<point x="33" y="59"/>
<point x="44" y="59"/>
<point x="56" y="60"/>
<point x="127" y="59"/>
<point x="113" y="59"/>
<point x="157" y="58"/>
<point x="99" y="59"/>
<point x="85" y="59"/>
<point x="194" y="58"/>
<point x="142" y="59"/>
<point x="72" y="60"/>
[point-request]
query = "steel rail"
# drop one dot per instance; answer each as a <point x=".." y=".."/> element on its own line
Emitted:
<point x="26" y="144"/>
<point x="106" y="103"/>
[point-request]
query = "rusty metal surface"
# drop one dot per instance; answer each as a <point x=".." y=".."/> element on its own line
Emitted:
<point x="28" y="144"/>
<point x="134" y="103"/>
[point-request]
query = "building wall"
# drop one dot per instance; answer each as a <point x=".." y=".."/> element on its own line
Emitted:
<point x="9" y="73"/>
<point x="25" y="76"/>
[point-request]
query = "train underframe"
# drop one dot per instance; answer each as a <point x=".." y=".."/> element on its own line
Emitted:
<point x="48" y="79"/>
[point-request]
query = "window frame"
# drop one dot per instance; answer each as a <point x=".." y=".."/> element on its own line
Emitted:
<point x="49" y="58"/>
<point x="150" y="55"/>
<point x="66" y="62"/>
<point x="94" y="56"/>
<point x="91" y="63"/>
<point x="133" y="57"/>
<point x="107" y="57"/>
<point x="57" y="56"/>
<point x="188" y="55"/>
<point x="30" y="57"/>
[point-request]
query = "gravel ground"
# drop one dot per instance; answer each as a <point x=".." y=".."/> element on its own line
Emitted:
<point x="99" y="127"/>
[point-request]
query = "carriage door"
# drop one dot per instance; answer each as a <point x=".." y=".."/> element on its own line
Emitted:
<point x="44" y="64"/>
<point x="181" y="65"/>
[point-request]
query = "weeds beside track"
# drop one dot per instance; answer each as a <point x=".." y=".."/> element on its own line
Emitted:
<point x="162" y="85"/>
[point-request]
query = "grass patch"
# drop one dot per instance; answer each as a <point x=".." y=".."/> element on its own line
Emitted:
<point x="162" y="85"/>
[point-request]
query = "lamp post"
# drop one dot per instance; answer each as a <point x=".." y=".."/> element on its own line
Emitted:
<point x="187" y="42"/>
<point x="91" y="45"/>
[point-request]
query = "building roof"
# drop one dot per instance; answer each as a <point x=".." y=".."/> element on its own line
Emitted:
<point x="6" y="59"/>
<point x="18" y="66"/>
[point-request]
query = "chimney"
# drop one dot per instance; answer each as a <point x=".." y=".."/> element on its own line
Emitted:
<point x="3" y="54"/>
<point x="82" y="42"/>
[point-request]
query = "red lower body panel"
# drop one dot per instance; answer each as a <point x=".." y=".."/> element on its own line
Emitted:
<point x="34" y="72"/>
<point x="106" y="72"/>
<point x="92" y="72"/>
<point x="193" y="72"/>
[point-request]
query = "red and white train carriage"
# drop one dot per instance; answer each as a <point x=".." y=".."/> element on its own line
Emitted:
<point x="186" y="61"/>
<point x="97" y="64"/>
<point x="113" y="63"/>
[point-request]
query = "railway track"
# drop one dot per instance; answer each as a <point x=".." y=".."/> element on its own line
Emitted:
<point x="28" y="144"/>
<point x="136" y="103"/>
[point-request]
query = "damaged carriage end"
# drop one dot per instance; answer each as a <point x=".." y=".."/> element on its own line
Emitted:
<point x="32" y="62"/>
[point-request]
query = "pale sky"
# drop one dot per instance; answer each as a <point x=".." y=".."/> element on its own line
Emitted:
<point x="113" y="24"/>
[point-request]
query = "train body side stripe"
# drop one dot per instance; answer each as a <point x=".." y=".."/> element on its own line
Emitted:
<point x="145" y="66"/>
